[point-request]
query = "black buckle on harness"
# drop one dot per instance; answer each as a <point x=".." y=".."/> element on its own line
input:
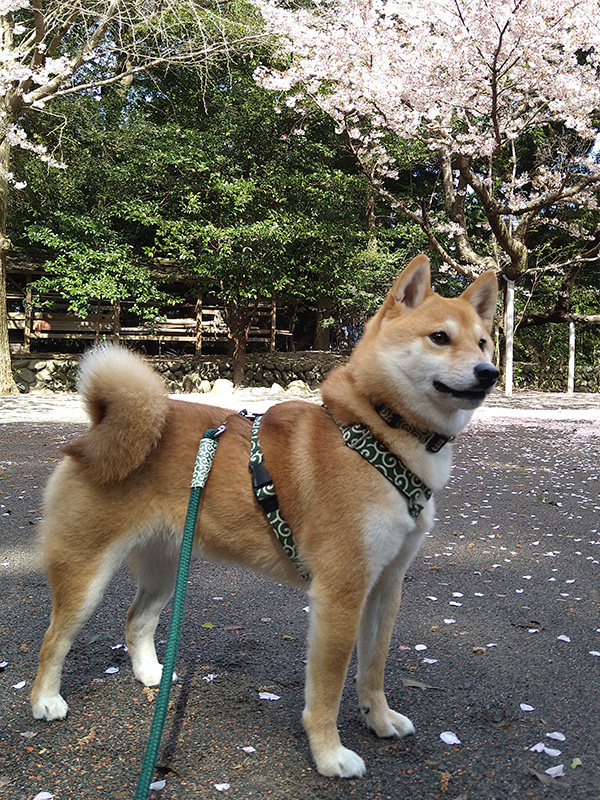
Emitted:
<point x="437" y="441"/>
<point x="261" y="479"/>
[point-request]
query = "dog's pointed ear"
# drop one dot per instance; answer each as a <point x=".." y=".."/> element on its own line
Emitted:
<point x="482" y="294"/>
<point x="413" y="284"/>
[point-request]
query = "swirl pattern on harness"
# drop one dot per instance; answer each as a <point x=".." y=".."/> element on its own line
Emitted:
<point x="417" y="493"/>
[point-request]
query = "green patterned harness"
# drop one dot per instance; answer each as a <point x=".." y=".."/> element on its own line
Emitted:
<point x="264" y="491"/>
<point x="262" y="484"/>
<point x="417" y="493"/>
<point x="357" y="436"/>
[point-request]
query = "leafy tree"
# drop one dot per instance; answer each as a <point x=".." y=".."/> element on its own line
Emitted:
<point x="558" y="295"/>
<point x="281" y="210"/>
<point x="205" y="181"/>
<point x="53" y="48"/>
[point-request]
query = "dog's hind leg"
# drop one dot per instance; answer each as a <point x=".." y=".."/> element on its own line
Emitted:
<point x="377" y="622"/>
<point x="333" y="627"/>
<point x="154" y="564"/>
<point x="78" y="583"/>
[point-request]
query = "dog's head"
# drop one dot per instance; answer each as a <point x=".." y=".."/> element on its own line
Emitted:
<point x="429" y="353"/>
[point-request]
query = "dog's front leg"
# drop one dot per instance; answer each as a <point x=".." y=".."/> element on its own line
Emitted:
<point x="377" y="622"/>
<point x="333" y="628"/>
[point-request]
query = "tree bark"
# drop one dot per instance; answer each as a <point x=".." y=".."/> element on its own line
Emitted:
<point x="198" y="311"/>
<point x="7" y="382"/>
<point x="239" y="319"/>
<point x="239" y="358"/>
<point x="556" y="316"/>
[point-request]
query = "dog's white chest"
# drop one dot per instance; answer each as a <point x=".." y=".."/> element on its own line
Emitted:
<point x="390" y="532"/>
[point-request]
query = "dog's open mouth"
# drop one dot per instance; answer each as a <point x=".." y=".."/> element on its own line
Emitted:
<point x="476" y="394"/>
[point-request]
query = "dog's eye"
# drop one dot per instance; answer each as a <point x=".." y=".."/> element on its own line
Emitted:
<point x="439" y="337"/>
<point x="482" y="344"/>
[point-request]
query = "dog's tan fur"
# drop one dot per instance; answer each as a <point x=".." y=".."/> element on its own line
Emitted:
<point x="123" y="488"/>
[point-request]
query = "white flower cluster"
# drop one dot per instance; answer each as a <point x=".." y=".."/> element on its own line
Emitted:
<point x="9" y="6"/>
<point x="10" y="178"/>
<point x="20" y="80"/>
<point x="16" y="137"/>
<point x="469" y="76"/>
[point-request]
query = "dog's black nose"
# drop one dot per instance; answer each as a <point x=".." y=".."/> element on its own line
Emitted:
<point x="486" y="375"/>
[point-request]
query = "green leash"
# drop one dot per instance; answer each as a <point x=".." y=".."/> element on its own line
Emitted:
<point x="206" y="452"/>
<point x="357" y="437"/>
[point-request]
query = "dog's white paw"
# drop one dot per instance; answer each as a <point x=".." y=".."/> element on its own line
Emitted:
<point x="150" y="675"/>
<point x="389" y="723"/>
<point x="341" y="763"/>
<point x="50" y="708"/>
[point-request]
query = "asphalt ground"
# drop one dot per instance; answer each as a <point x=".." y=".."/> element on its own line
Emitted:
<point x="497" y="642"/>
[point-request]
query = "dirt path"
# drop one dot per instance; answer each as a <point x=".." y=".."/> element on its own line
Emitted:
<point x="500" y="615"/>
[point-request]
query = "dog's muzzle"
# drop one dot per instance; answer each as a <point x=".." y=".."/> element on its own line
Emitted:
<point x="485" y="376"/>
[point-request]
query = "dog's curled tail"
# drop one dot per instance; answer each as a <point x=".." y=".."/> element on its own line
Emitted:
<point x="127" y="402"/>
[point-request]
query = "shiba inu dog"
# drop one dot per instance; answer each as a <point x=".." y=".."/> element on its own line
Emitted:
<point x="410" y="385"/>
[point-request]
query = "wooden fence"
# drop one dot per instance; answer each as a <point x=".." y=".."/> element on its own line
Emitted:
<point x="192" y="328"/>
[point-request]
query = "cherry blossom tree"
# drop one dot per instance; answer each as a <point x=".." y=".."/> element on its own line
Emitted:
<point x="51" y="48"/>
<point x="502" y="96"/>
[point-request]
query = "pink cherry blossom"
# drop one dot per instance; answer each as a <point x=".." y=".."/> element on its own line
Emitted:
<point x="467" y="79"/>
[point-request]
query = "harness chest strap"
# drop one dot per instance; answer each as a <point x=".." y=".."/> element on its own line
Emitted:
<point x="357" y="436"/>
<point x="416" y="492"/>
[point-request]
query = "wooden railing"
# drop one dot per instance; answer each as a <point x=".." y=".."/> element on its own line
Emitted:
<point x="207" y="325"/>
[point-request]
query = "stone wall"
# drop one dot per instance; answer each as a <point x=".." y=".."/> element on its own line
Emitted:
<point x="187" y="374"/>
<point x="554" y="377"/>
<point x="587" y="378"/>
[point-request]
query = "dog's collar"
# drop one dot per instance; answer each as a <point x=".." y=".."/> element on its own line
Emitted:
<point x="417" y="493"/>
<point x="433" y="441"/>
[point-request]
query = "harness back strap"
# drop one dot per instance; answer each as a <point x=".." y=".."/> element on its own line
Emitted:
<point x="417" y="493"/>
<point x="264" y="491"/>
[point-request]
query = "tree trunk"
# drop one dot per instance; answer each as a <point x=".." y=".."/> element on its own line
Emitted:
<point x="322" y="336"/>
<point x="273" y="323"/>
<point x="239" y="319"/>
<point x="198" y="312"/>
<point x="239" y="357"/>
<point x="7" y="382"/>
